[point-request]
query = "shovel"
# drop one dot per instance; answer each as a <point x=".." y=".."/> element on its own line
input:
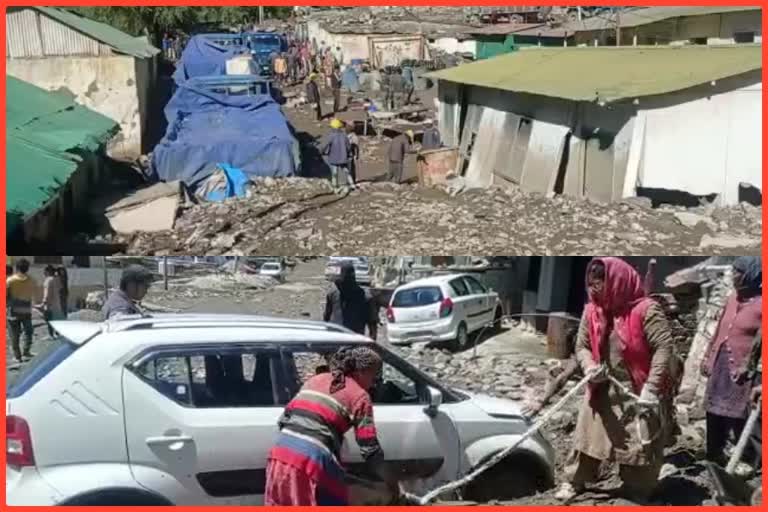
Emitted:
<point x="731" y="489"/>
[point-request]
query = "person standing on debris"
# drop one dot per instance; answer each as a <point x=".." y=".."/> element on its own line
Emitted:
<point x="398" y="148"/>
<point x="431" y="138"/>
<point x="354" y="150"/>
<point x="349" y="305"/>
<point x="625" y="338"/>
<point x="134" y="285"/>
<point x="336" y="88"/>
<point x="328" y="67"/>
<point x="303" y="467"/>
<point x="166" y="46"/>
<point x="313" y="96"/>
<point x="386" y="88"/>
<point x="64" y="294"/>
<point x="727" y="360"/>
<point x="281" y="67"/>
<point x="293" y="62"/>
<point x="20" y="290"/>
<point x="51" y="304"/>
<point x="336" y="151"/>
<point x="397" y="83"/>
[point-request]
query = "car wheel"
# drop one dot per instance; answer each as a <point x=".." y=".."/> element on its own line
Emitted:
<point x="462" y="337"/>
<point x="508" y="480"/>
<point x="497" y="321"/>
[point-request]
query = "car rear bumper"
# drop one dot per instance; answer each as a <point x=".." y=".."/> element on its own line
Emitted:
<point x="435" y="331"/>
<point x="26" y="487"/>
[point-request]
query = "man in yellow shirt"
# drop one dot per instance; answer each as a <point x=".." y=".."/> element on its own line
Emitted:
<point x="20" y="291"/>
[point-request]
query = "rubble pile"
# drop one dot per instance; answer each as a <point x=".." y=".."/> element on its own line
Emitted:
<point x="303" y="216"/>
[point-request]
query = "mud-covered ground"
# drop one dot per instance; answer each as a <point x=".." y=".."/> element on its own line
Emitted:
<point x="304" y="217"/>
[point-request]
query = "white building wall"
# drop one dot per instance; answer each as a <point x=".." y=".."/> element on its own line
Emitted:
<point x="107" y="85"/>
<point x="452" y="45"/>
<point x="704" y="146"/>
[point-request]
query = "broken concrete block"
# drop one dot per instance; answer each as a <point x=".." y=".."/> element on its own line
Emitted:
<point x="691" y="220"/>
<point x="150" y="209"/>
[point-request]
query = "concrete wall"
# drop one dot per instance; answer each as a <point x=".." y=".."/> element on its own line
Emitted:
<point x="453" y="45"/>
<point x="715" y="28"/>
<point x="710" y="136"/>
<point x="392" y="47"/>
<point x="109" y="85"/>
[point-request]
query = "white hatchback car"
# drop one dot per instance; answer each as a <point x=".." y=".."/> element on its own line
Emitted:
<point x="363" y="273"/>
<point x="445" y="308"/>
<point x="183" y="409"/>
<point x="273" y="269"/>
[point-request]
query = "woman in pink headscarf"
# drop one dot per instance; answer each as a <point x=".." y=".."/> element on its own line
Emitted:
<point x="625" y="335"/>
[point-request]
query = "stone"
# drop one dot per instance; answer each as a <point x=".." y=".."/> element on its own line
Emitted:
<point x="691" y="220"/>
<point x="728" y="242"/>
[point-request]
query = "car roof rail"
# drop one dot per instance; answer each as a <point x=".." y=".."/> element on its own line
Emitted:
<point x="181" y="320"/>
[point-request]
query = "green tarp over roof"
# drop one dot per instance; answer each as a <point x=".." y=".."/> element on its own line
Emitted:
<point x="607" y="73"/>
<point x="107" y="34"/>
<point x="45" y="133"/>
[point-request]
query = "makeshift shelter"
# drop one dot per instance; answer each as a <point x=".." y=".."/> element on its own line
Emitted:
<point x="54" y="148"/>
<point x="104" y="69"/>
<point x="207" y="128"/>
<point x="608" y="123"/>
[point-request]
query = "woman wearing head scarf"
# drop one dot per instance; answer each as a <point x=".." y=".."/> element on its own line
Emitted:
<point x="349" y="305"/>
<point x="625" y="335"/>
<point x="304" y="467"/>
<point x="729" y="358"/>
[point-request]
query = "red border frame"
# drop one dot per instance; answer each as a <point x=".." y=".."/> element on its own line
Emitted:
<point x="62" y="3"/>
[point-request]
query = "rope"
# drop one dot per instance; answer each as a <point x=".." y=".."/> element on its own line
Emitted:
<point x="543" y="420"/>
<point x="498" y="457"/>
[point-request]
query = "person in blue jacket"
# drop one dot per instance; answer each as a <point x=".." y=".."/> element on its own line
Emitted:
<point x="336" y="150"/>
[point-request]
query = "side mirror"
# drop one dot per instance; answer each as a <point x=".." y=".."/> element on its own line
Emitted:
<point x="435" y="397"/>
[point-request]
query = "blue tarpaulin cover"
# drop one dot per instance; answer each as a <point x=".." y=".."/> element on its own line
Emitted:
<point x="206" y="129"/>
<point x="202" y="57"/>
<point x="236" y="184"/>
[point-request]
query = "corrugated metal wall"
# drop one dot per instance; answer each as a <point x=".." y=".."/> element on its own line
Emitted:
<point x="33" y="35"/>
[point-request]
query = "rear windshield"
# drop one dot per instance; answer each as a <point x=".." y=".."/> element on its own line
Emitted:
<point x="415" y="297"/>
<point x="49" y="357"/>
<point x="271" y="266"/>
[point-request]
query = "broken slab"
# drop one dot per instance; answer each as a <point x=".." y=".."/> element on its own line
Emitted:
<point x="727" y="242"/>
<point x="150" y="209"/>
<point x="691" y="220"/>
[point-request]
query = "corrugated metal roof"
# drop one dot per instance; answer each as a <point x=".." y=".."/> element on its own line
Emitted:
<point x="644" y="16"/>
<point x="523" y="29"/>
<point x="44" y="130"/>
<point x="606" y="73"/>
<point x="117" y="40"/>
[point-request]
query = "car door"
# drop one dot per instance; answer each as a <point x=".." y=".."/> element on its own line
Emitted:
<point x="474" y="304"/>
<point x="197" y="432"/>
<point x="462" y="300"/>
<point x="424" y="450"/>
<point x="482" y="312"/>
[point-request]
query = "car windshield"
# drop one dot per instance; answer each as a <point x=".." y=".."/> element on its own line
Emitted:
<point x="416" y="297"/>
<point x="52" y="355"/>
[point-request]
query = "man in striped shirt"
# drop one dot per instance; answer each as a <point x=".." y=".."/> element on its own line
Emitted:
<point x="304" y="467"/>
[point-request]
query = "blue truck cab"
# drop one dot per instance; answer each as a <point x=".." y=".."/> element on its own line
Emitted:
<point x="262" y="45"/>
<point x="227" y="39"/>
<point x="234" y="85"/>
